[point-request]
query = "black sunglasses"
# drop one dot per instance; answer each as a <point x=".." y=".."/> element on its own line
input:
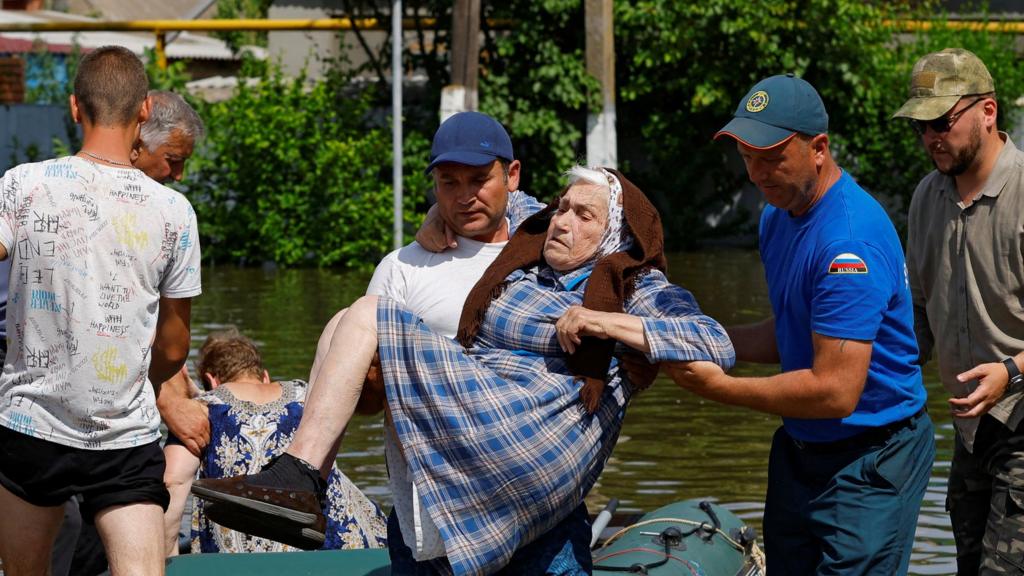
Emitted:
<point x="942" y="124"/>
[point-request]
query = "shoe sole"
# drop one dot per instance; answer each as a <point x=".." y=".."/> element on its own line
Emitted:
<point x="243" y="520"/>
<point x="259" y="508"/>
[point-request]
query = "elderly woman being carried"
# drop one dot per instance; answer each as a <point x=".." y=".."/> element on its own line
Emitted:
<point x="507" y="429"/>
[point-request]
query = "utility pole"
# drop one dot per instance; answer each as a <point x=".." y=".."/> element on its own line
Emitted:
<point x="461" y="94"/>
<point x="396" y="121"/>
<point x="602" y="143"/>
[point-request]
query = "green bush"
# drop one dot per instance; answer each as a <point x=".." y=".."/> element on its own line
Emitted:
<point x="300" y="174"/>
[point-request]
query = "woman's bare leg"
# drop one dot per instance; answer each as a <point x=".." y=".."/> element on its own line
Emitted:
<point x="337" y="384"/>
<point x="323" y="345"/>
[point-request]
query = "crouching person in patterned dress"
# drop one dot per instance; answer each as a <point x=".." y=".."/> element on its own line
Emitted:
<point x="507" y="429"/>
<point x="252" y="420"/>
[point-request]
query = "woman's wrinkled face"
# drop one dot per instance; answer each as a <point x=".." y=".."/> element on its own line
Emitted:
<point x="577" y="227"/>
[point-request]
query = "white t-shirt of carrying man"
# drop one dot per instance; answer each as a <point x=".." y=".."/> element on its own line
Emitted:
<point x="434" y="286"/>
<point x="93" y="249"/>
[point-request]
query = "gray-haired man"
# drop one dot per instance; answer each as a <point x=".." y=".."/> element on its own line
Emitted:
<point x="167" y="138"/>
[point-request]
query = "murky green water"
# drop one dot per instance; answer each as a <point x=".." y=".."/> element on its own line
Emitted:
<point x="673" y="445"/>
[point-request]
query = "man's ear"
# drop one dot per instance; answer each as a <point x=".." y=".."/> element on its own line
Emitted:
<point x="991" y="110"/>
<point x="513" y="175"/>
<point x="136" y="151"/>
<point x="76" y="114"/>
<point x="819" y="148"/>
<point x="145" y="109"/>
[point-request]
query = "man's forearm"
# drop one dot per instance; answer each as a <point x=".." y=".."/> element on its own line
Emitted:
<point x="795" y="394"/>
<point x="163" y="366"/>
<point x="173" y="389"/>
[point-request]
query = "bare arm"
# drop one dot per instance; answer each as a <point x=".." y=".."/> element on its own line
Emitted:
<point x="185" y="417"/>
<point x="170" y="346"/>
<point x="755" y="342"/>
<point x="831" y="388"/>
<point x="579" y="321"/>
<point x="178" y="475"/>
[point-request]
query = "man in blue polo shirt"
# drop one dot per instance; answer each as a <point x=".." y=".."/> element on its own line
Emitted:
<point x="851" y="462"/>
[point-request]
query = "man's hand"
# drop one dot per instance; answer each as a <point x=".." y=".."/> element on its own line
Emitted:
<point x="992" y="380"/>
<point x="435" y="235"/>
<point x="186" y="418"/>
<point x="640" y="372"/>
<point x="371" y="401"/>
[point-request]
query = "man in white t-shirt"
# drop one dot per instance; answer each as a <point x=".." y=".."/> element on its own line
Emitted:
<point x="105" y="262"/>
<point x="475" y="181"/>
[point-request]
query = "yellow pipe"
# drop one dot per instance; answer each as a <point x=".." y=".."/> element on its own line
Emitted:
<point x="407" y="24"/>
<point x="226" y="25"/>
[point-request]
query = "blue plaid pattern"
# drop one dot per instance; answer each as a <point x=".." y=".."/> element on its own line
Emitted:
<point x="495" y="436"/>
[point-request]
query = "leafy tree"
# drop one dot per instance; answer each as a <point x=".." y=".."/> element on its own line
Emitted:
<point x="299" y="173"/>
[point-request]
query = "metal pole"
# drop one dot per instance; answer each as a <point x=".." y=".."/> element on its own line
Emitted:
<point x="396" y="117"/>
<point x="161" y="50"/>
<point x="602" y="141"/>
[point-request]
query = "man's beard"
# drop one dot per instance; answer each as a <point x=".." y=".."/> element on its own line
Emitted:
<point x="965" y="157"/>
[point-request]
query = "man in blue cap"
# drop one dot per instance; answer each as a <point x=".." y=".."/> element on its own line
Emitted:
<point x="850" y="464"/>
<point x="478" y="207"/>
<point x="476" y="178"/>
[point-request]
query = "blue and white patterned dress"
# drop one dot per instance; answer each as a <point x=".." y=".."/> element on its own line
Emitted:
<point x="243" y="437"/>
<point x="499" y="446"/>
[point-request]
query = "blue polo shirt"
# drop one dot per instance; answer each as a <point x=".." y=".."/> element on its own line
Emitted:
<point x="838" y="270"/>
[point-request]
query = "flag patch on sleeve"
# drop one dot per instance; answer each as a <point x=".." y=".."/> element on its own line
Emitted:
<point x="847" y="263"/>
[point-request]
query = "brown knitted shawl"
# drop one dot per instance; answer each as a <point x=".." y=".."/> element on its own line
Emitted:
<point x="611" y="282"/>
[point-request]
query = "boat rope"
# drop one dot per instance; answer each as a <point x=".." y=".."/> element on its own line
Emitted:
<point x="703" y="525"/>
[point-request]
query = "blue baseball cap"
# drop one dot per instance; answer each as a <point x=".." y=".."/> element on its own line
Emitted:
<point x="774" y="110"/>
<point x="470" y="138"/>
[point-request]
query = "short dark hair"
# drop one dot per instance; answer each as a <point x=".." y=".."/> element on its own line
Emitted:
<point x="110" y="86"/>
<point x="505" y="164"/>
<point x="228" y="355"/>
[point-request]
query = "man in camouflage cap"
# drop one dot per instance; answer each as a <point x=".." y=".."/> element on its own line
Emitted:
<point x="964" y="258"/>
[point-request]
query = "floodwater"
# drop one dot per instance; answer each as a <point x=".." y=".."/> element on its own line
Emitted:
<point x="673" y="445"/>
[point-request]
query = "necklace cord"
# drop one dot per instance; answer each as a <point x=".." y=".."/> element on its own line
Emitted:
<point x="107" y="160"/>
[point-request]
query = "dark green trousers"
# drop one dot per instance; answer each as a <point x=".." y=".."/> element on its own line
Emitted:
<point x="985" y="500"/>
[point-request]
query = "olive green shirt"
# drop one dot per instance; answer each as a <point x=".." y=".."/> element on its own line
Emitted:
<point x="966" y="269"/>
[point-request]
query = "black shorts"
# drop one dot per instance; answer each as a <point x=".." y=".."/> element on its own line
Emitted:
<point x="48" y="474"/>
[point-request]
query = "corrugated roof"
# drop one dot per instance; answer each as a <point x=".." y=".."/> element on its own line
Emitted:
<point x="19" y="46"/>
<point x="186" y="46"/>
<point x="149" y="10"/>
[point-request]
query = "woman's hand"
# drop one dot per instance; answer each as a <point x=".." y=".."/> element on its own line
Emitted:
<point x="578" y="322"/>
<point x="434" y="234"/>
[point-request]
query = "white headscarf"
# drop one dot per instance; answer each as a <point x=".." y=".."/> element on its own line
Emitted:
<point x="616" y="236"/>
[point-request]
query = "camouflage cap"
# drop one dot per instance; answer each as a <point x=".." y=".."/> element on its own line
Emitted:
<point x="940" y="79"/>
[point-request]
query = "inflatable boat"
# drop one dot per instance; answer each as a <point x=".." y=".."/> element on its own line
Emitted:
<point x="691" y="538"/>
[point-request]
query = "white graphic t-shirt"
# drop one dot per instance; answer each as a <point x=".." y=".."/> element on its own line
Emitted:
<point x="93" y="249"/>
